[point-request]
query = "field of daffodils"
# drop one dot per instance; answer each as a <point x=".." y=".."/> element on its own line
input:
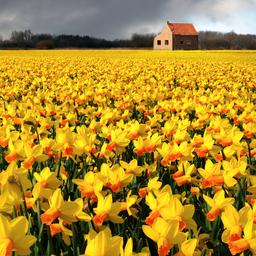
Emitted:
<point x="127" y="153"/>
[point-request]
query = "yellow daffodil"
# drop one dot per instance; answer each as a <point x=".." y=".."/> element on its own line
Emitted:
<point x="66" y="210"/>
<point x="165" y="233"/>
<point x="13" y="236"/>
<point x="217" y="204"/>
<point x="107" y="210"/>
<point x="103" y="243"/>
<point x="90" y="185"/>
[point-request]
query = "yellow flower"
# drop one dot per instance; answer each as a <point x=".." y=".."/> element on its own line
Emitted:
<point x="236" y="167"/>
<point x="187" y="248"/>
<point x="183" y="213"/>
<point x="217" y="204"/>
<point x="115" y="177"/>
<point x="183" y="175"/>
<point x="156" y="203"/>
<point x="234" y="221"/>
<point x="153" y="185"/>
<point x="165" y="233"/>
<point x="107" y="210"/>
<point x="90" y="185"/>
<point x="32" y="155"/>
<point x="229" y="136"/>
<point x="118" y="141"/>
<point x="57" y="228"/>
<point x="128" y="250"/>
<point x="47" y="182"/>
<point x="247" y="242"/>
<point x="16" y="151"/>
<point x="132" y="167"/>
<point x="85" y="141"/>
<point x="13" y="236"/>
<point x="212" y="174"/>
<point x="59" y="208"/>
<point x="130" y="201"/>
<point x="65" y="141"/>
<point x="103" y="243"/>
<point x="135" y="129"/>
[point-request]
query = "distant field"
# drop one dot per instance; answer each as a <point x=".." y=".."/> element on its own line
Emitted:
<point x="127" y="152"/>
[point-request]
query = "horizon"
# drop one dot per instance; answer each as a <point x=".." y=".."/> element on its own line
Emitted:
<point x="148" y="34"/>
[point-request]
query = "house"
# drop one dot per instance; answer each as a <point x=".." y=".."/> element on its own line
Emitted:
<point x="177" y="36"/>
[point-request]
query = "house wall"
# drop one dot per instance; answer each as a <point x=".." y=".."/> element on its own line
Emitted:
<point x="166" y="34"/>
<point x="189" y="42"/>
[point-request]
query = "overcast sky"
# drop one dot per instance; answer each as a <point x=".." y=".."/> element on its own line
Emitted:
<point x="120" y="18"/>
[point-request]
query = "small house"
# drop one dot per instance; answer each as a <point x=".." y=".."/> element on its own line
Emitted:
<point x="177" y="36"/>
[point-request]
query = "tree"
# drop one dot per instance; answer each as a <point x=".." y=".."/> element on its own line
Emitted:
<point x="21" y="36"/>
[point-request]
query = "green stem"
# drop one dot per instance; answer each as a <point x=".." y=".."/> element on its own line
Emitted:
<point x="50" y="248"/>
<point x="59" y="165"/>
<point x="74" y="241"/>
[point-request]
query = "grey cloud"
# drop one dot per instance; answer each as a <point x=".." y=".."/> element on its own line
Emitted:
<point x="114" y="18"/>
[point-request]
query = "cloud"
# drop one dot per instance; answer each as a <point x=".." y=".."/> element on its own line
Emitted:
<point x="120" y="18"/>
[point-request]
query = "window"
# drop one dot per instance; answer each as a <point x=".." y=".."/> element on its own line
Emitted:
<point x="158" y="42"/>
<point x="166" y="42"/>
<point x="188" y="42"/>
<point x="181" y="42"/>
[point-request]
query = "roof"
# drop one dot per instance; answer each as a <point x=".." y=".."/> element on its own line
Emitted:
<point x="182" y="28"/>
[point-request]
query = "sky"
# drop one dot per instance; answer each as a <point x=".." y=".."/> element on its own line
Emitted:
<point x="112" y="19"/>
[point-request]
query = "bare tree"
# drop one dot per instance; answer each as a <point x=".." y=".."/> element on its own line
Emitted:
<point x="21" y="36"/>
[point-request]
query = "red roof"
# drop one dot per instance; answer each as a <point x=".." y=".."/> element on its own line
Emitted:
<point x="182" y="28"/>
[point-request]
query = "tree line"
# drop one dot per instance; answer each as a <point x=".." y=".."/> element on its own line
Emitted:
<point x="207" y="40"/>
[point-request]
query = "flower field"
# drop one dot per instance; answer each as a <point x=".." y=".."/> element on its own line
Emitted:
<point x="127" y="153"/>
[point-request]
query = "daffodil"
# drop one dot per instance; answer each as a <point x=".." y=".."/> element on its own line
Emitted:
<point x="13" y="236"/>
<point x="57" y="228"/>
<point x="165" y="233"/>
<point x="183" y="175"/>
<point x="234" y="221"/>
<point x="115" y="177"/>
<point x="247" y="242"/>
<point x="66" y="210"/>
<point x="90" y="185"/>
<point x="32" y="155"/>
<point x="212" y="174"/>
<point x="187" y="248"/>
<point x="47" y="182"/>
<point x="127" y="206"/>
<point x="156" y="204"/>
<point x="153" y="185"/>
<point x="217" y="204"/>
<point x="106" y="210"/>
<point x="128" y="250"/>
<point x="118" y="141"/>
<point x="183" y="213"/>
<point x="132" y="167"/>
<point x="103" y="243"/>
